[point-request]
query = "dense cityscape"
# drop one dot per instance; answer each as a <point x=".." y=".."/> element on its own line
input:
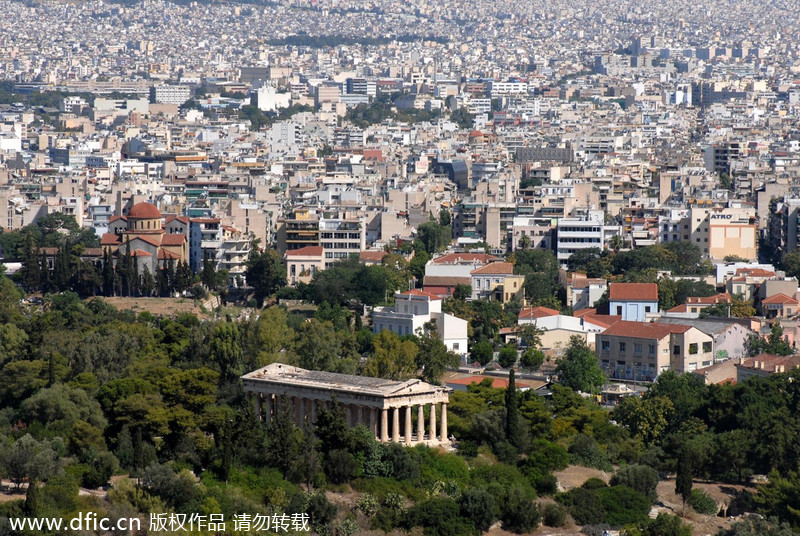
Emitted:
<point x="426" y="267"/>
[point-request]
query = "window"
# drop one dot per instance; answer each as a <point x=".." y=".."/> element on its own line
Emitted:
<point x="619" y="310"/>
<point x="455" y="346"/>
<point x="646" y="308"/>
<point x="651" y="349"/>
<point x="692" y="348"/>
<point x="637" y="348"/>
<point x="622" y="347"/>
<point x="676" y="349"/>
<point x="707" y="346"/>
<point x="605" y="345"/>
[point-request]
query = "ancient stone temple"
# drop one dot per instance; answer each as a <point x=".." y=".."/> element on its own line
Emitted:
<point x="386" y="407"/>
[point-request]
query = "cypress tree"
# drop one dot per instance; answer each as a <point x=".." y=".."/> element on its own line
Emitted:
<point x="683" y="480"/>
<point x="512" y="417"/>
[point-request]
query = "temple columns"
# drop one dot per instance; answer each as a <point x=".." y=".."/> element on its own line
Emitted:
<point x="432" y="424"/>
<point x="384" y="425"/>
<point x="396" y="425"/>
<point x="408" y="426"/>
<point x="443" y="432"/>
<point x="258" y="406"/>
<point x="420" y="423"/>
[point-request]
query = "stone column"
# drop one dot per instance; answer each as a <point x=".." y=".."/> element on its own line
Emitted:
<point x="348" y="415"/>
<point x="420" y="423"/>
<point x="270" y="405"/>
<point x="408" y="426"/>
<point x="258" y="405"/>
<point x="313" y="411"/>
<point x="384" y="425"/>
<point x="444" y="422"/>
<point x="298" y="410"/>
<point x="396" y="425"/>
<point x="373" y="421"/>
<point x="432" y="423"/>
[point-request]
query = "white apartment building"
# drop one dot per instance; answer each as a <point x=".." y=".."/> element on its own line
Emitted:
<point x="166" y="94"/>
<point x="575" y="234"/>
<point x="415" y="308"/>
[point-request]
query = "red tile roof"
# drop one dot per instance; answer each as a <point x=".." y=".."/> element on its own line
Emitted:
<point x="140" y="253"/>
<point x="529" y="313"/>
<point x="780" y="298"/>
<point x="163" y="254"/>
<point x="173" y="239"/>
<point x="754" y="272"/>
<point x="309" y="251"/>
<point x="644" y="330"/>
<point x="633" y="291"/>
<point x="709" y="300"/>
<point x="372" y="256"/>
<point x="144" y="211"/>
<point x="604" y="321"/>
<point x="109" y="239"/>
<point x="770" y="362"/>
<point x="500" y="268"/>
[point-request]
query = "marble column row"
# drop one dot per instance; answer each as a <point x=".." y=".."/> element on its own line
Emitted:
<point x="379" y="421"/>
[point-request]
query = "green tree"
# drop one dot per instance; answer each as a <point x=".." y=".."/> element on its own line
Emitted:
<point x="392" y="358"/>
<point x="507" y="357"/>
<point x="265" y="273"/>
<point x="434" y="358"/>
<point x="640" y="478"/>
<point x="482" y="352"/>
<point x="666" y="525"/>
<point x="512" y="412"/>
<point x="683" y="479"/>
<point x="478" y="505"/>
<point x="646" y="418"/>
<point x="579" y="368"/>
<point x="283" y="438"/>
<point x="434" y="236"/>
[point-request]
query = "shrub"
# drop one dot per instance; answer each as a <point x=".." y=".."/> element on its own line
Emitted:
<point x="477" y="505"/>
<point x="440" y="517"/>
<point x="547" y="456"/>
<point x="545" y="484"/>
<point x="554" y="515"/>
<point x="583" y="505"/>
<point x="519" y="512"/>
<point x="585" y="451"/>
<point x="666" y="525"/>
<point x="321" y="512"/>
<point x="594" y="483"/>
<point x="467" y="448"/>
<point x="623" y="505"/>
<point x="404" y="465"/>
<point x="340" y="466"/>
<point x="368" y="504"/>
<point x="639" y="477"/>
<point x="702" y="503"/>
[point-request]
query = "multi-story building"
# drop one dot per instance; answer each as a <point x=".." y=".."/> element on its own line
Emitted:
<point x="496" y="281"/>
<point x="722" y="232"/>
<point x="205" y="236"/>
<point x="643" y="350"/>
<point x="339" y="236"/>
<point x="576" y="234"/>
<point x="412" y="310"/>
<point x="168" y="94"/>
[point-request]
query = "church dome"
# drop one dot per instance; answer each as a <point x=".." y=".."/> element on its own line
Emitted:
<point x="144" y="211"/>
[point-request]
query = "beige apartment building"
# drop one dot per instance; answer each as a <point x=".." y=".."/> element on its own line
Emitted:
<point x="643" y="350"/>
<point x="720" y="232"/>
